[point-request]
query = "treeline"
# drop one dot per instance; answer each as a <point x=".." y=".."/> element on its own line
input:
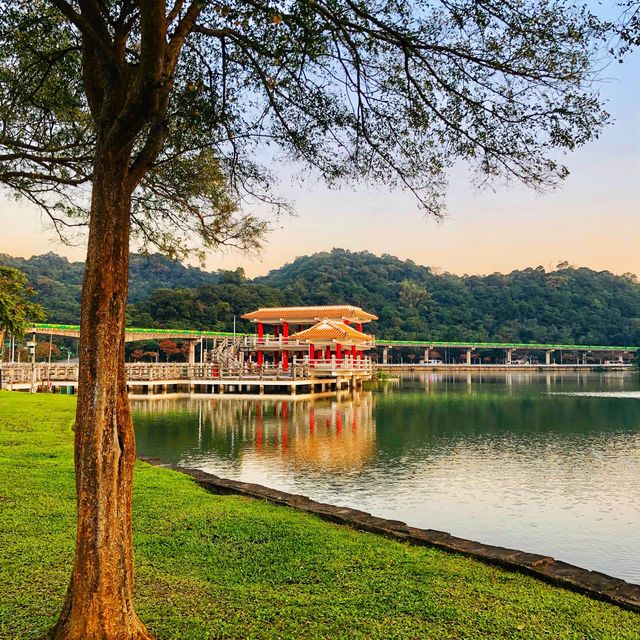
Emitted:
<point x="568" y="304"/>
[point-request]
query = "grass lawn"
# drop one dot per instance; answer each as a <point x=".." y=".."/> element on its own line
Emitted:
<point x="229" y="567"/>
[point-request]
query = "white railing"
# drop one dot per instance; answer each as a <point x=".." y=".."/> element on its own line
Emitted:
<point x="44" y="373"/>
<point x="47" y="374"/>
<point x="349" y="363"/>
<point x="271" y="342"/>
<point x="24" y="373"/>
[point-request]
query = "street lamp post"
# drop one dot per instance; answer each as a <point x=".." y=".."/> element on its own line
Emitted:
<point x="31" y="344"/>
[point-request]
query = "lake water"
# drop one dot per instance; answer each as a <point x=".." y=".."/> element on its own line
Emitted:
<point x="548" y="463"/>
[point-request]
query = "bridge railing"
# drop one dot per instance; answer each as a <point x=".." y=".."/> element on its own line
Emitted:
<point x="252" y="342"/>
<point x="24" y="373"/>
<point x="297" y="369"/>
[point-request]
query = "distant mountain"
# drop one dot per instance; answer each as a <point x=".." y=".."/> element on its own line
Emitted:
<point x="566" y="305"/>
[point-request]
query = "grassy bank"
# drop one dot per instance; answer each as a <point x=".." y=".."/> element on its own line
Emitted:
<point x="229" y="567"/>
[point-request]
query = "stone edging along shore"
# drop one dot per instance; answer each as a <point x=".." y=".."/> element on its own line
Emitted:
<point x="592" y="583"/>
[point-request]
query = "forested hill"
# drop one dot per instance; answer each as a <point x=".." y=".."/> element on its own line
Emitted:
<point x="565" y="305"/>
<point x="58" y="282"/>
<point x="568" y="304"/>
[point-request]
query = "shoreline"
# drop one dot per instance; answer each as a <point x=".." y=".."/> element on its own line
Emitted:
<point x="594" y="584"/>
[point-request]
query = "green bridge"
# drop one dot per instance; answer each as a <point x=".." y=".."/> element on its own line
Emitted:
<point x="134" y="334"/>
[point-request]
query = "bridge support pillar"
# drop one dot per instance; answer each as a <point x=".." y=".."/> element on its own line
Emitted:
<point x="385" y="355"/>
<point x="469" y="355"/>
<point x="509" y="355"/>
<point x="426" y="355"/>
<point x="547" y="356"/>
<point x="192" y="351"/>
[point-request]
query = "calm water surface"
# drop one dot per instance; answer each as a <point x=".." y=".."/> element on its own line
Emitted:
<point x="545" y="463"/>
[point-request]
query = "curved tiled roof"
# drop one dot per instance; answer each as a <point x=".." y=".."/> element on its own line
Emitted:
<point x="330" y="330"/>
<point x="338" y="312"/>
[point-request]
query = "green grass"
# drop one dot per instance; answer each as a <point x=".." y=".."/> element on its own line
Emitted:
<point x="229" y="567"/>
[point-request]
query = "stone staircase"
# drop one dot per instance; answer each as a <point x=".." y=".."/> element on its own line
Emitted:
<point x="225" y="353"/>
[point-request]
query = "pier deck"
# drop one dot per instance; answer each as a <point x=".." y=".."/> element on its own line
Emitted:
<point x="148" y="379"/>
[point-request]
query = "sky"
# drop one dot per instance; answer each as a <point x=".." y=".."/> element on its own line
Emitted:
<point x="591" y="220"/>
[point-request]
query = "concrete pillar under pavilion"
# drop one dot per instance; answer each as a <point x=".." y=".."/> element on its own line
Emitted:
<point x="192" y="351"/>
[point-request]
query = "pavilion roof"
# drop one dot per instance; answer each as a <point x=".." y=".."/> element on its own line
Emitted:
<point x="310" y="314"/>
<point x="331" y="330"/>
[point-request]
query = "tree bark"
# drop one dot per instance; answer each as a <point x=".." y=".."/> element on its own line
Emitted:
<point x="99" y="603"/>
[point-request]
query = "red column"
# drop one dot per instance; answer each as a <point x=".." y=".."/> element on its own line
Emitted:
<point x="360" y="327"/>
<point x="260" y="341"/>
<point x="347" y="321"/>
<point x="338" y="352"/>
<point x="328" y="353"/>
<point x="285" y="338"/>
<point x="312" y="353"/>
<point x="353" y="351"/>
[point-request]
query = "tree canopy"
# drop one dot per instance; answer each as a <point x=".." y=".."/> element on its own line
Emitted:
<point x="394" y="92"/>
<point x="17" y="309"/>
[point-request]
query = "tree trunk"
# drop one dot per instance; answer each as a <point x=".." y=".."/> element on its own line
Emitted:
<point x="99" y="603"/>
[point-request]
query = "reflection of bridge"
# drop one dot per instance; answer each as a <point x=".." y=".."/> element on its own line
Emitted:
<point x="467" y="349"/>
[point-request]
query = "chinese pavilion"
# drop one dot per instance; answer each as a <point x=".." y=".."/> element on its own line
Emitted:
<point x="323" y="336"/>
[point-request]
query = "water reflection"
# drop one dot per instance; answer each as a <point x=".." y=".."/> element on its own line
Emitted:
<point x="332" y="435"/>
<point x="499" y="458"/>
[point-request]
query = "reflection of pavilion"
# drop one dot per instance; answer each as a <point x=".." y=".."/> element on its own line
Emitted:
<point x="338" y="437"/>
<point x="321" y="435"/>
<point x="323" y="337"/>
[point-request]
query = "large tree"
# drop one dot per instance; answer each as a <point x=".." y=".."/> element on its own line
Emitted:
<point x="149" y="119"/>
